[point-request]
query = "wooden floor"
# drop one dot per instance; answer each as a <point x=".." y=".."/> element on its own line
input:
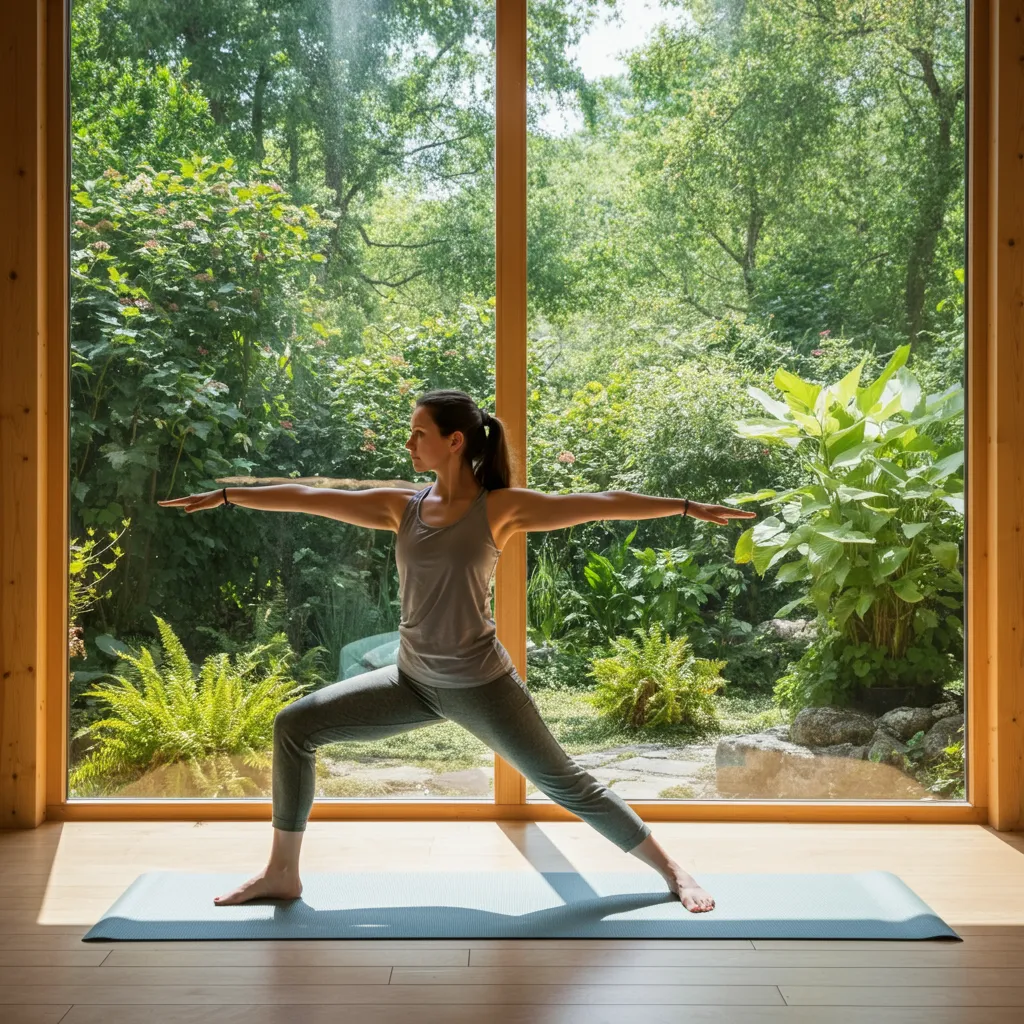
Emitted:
<point x="55" y="882"/>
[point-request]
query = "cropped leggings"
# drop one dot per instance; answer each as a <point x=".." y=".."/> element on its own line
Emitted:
<point x="386" y="701"/>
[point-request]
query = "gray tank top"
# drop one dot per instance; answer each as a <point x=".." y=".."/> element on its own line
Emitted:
<point x="447" y="637"/>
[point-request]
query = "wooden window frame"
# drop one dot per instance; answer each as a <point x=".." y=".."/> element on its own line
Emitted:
<point x="34" y="360"/>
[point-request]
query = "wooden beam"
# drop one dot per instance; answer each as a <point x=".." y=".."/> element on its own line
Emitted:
<point x="26" y="277"/>
<point x="997" y="394"/>
<point x="510" y="321"/>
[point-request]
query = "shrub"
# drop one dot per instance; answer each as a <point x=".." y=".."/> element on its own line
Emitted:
<point x="656" y="682"/>
<point x="873" y="533"/>
<point x="169" y="715"/>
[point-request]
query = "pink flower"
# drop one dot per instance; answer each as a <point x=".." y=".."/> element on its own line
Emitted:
<point x="213" y="304"/>
<point x="368" y="447"/>
<point x="566" y="457"/>
<point x="151" y="243"/>
<point x="287" y="424"/>
<point x="172" y="306"/>
<point x="81" y="225"/>
<point x="320" y="343"/>
<point x="110" y="172"/>
<point x="204" y="276"/>
<point x="203" y="351"/>
<point x="824" y="334"/>
<point x="100" y="246"/>
<point x="817" y="352"/>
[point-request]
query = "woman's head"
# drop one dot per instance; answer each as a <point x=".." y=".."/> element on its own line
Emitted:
<point x="449" y="433"/>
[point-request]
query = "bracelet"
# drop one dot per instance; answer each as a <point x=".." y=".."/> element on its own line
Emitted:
<point x="224" y="491"/>
<point x="686" y="507"/>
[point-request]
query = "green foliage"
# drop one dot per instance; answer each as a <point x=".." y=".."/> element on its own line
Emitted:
<point x="834" y="669"/>
<point x="126" y="109"/>
<point x="632" y="587"/>
<point x="167" y="714"/>
<point x="872" y="532"/>
<point x="807" y="229"/>
<point x="656" y="682"/>
<point x="84" y="576"/>
<point x="946" y="777"/>
<point x="756" y="660"/>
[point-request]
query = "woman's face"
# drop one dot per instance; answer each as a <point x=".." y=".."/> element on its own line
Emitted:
<point x="426" y="445"/>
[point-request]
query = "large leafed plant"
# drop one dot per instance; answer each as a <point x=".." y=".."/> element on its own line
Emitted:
<point x="875" y="530"/>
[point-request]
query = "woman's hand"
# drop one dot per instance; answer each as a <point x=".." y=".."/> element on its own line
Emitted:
<point x="720" y="514"/>
<point x="197" y="502"/>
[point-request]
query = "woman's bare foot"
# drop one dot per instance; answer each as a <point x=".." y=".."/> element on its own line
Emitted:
<point x="691" y="895"/>
<point x="268" y="884"/>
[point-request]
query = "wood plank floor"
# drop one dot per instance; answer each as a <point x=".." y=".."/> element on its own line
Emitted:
<point x="55" y="881"/>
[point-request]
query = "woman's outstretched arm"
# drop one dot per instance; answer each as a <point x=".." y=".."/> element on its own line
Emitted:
<point x="378" y="508"/>
<point x="537" y="511"/>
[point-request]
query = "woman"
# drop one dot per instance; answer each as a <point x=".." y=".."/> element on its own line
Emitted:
<point x="450" y="664"/>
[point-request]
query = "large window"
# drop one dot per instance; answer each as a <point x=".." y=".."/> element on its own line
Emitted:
<point x="282" y="233"/>
<point x="746" y="235"/>
<point x="746" y="287"/>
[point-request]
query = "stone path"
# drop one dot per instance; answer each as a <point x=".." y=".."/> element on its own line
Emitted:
<point x="643" y="771"/>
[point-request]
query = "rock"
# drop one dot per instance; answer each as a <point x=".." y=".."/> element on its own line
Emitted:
<point x="760" y="767"/>
<point x="886" y="748"/>
<point x="942" y="734"/>
<point x="850" y="750"/>
<point x="904" y="722"/>
<point x="946" y="710"/>
<point x="779" y="731"/>
<point x="824" y="726"/>
<point x="788" y="629"/>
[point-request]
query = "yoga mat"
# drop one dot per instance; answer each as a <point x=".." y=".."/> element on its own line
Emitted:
<point x="522" y="904"/>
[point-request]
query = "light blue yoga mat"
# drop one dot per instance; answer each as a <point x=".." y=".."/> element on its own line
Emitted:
<point x="523" y="904"/>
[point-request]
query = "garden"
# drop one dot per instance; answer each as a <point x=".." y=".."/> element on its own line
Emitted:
<point x="746" y="286"/>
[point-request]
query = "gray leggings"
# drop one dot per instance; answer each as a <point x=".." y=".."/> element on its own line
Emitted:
<point x="386" y="701"/>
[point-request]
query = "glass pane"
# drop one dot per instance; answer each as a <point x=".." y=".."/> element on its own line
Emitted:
<point x="746" y="288"/>
<point x="282" y="234"/>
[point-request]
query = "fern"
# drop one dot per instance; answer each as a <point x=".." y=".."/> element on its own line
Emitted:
<point x="654" y="683"/>
<point x="192" y="731"/>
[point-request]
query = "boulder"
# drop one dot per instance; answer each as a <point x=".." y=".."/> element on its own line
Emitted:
<point x="942" y="734"/>
<point x="886" y="748"/>
<point x="824" y="726"/>
<point x="788" y="629"/>
<point x="904" y="722"/>
<point x="763" y="767"/>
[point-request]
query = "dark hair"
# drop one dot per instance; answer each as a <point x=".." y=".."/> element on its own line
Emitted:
<point x="485" y="448"/>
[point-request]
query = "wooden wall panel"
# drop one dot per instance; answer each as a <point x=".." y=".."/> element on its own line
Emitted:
<point x="23" y="452"/>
